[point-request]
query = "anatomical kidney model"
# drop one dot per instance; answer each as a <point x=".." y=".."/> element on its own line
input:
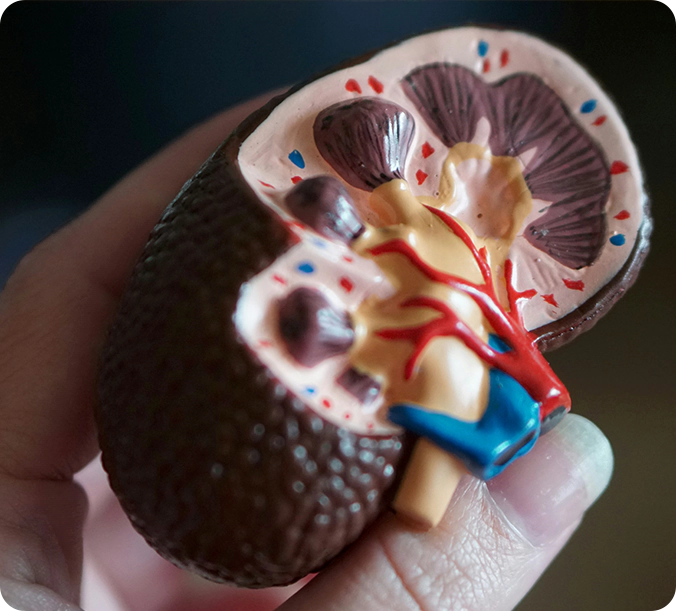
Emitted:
<point x="343" y="311"/>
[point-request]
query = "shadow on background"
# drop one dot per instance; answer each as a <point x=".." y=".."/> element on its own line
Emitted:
<point x="91" y="89"/>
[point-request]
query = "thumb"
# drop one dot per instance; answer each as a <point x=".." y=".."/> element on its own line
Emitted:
<point x="492" y="545"/>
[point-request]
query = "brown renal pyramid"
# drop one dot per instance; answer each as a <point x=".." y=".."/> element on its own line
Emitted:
<point x="217" y="462"/>
<point x="366" y="141"/>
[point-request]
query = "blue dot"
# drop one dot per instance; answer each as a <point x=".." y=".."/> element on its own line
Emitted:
<point x="483" y="48"/>
<point x="306" y="267"/>
<point x="319" y="243"/>
<point x="618" y="239"/>
<point x="297" y="159"/>
<point x="588" y="106"/>
<point x="310" y="390"/>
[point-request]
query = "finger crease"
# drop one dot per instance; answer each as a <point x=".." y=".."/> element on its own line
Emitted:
<point x="399" y="575"/>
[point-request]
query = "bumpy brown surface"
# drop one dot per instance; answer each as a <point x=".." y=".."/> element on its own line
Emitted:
<point x="218" y="466"/>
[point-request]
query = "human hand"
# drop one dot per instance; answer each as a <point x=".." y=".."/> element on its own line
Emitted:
<point x="493" y="543"/>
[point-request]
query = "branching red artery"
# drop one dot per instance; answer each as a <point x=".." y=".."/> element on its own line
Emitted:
<point x="523" y="361"/>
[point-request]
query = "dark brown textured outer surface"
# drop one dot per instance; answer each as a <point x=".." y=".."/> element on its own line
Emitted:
<point x="219" y="467"/>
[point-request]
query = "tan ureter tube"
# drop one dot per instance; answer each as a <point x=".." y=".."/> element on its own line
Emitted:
<point x="429" y="482"/>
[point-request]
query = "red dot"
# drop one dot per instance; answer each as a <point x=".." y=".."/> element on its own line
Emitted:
<point x="348" y="259"/>
<point x="550" y="300"/>
<point x="619" y="167"/>
<point x="280" y="279"/>
<point x="420" y="176"/>
<point x="265" y="184"/>
<point x="575" y="285"/>
<point x="347" y="284"/>
<point x="353" y="86"/>
<point x="348" y="416"/>
<point x="486" y="66"/>
<point x="326" y="403"/>
<point x="369" y="425"/>
<point x="504" y="58"/>
<point x="375" y="84"/>
<point x="427" y="150"/>
<point x="296" y="179"/>
<point x="264" y="343"/>
<point x="622" y="215"/>
<point x="600" y="120"/>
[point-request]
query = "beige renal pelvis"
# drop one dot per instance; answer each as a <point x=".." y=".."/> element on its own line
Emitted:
<point x="448" y="377"/>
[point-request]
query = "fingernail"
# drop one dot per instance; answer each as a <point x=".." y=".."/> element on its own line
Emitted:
<point x="548" y="490"/>
<point x="32" y="597"/>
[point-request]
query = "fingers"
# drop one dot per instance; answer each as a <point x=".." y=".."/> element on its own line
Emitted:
<point x="56" y="306"/>
<point x="492" y="545"/>
<point x="53" y="315"/>
<point x="41" y="543"/>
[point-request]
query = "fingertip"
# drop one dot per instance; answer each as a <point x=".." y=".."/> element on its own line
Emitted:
<point x="548" y="491"/>
<point x="589" y="450"/>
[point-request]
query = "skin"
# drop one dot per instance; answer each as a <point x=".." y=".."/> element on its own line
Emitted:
<point x="490" y="547"/>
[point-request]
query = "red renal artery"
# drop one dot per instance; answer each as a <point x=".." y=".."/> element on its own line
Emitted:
<point x="523" y="362"/>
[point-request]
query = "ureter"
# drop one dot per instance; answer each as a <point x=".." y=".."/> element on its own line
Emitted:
<point x="429" y="482"/>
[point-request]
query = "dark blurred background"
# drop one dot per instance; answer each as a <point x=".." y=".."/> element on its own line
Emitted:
<point x="88" y="90"/>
